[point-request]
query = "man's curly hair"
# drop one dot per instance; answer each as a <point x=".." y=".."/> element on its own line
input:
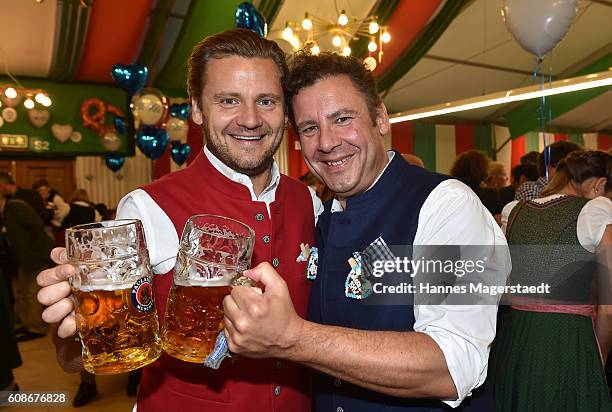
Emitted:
<point x="306" y="69"/>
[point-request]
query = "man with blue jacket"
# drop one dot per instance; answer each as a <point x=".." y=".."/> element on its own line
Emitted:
<point x="371" y="355"/>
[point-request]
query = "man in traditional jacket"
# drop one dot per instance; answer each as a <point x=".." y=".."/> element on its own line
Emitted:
<point x="235" y="85"/>
<point x="372" y="353"/>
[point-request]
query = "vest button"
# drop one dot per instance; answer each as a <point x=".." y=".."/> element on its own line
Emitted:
<point x="337" y="383"/>
<point x="277" y="390"/>
<point x="275" y="262"/>
<point x="339" y="409"/>
<point x="278" y="364"/>
<point x="259" y="217"/>
<point x="266" y="239"/>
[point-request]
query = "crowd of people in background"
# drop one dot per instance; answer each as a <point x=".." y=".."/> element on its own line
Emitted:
<point x="32" y="222"/>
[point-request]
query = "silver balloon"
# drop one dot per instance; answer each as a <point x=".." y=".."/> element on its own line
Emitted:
<point x="538" y="26"/>
<point x="111" y="141"/>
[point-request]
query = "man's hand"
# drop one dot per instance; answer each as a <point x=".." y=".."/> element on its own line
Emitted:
<point x="261" y="325"/>
<point x="55" y="294"/>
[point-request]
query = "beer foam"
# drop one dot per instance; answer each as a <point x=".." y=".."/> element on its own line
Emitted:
<point x="106" y="286"/>
<point x="202" y="282"/>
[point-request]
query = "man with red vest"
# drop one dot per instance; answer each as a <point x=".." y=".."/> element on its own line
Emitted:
<point x="235" y="85"/>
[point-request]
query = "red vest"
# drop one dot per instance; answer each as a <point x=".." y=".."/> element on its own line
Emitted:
<point x="240" y="384"/>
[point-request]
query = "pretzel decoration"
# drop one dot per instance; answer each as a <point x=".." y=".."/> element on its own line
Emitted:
<point x="93" y="113"/>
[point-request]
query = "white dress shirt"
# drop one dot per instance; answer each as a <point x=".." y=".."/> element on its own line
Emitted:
<point x="161" y="236"/>
<point x="594" y="216"/>
<point x="452" y="214"/>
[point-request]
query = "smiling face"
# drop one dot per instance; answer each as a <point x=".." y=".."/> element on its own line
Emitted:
<point x="242" y="112"/>
<point x="339" y="142"/>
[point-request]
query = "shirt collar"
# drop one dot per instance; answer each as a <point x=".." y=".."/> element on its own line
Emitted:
<point x="337" y="206"/>
<point x="240" y="177"/>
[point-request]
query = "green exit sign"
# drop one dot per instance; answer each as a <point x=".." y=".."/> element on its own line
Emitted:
<point x="13" y="142"/>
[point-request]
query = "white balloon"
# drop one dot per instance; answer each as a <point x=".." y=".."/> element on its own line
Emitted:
<point x="149" y="108"/>
<point x="539" y="25"/>
<point x="177" y="129"/>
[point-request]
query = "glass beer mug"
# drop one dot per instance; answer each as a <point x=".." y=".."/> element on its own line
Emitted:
<point x="213" y="253"/>
<point x="115" y="311"/>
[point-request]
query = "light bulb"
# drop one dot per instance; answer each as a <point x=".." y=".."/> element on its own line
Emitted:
<point x="314" y="50"/>
<point x="337" y="41"/>
<point x="346" y="51"/>
<point x="40" y="98"/>
<point x="29" y="103"/>
<point x="372" y="46"/>
<point x="373" y="27"/>
<point x="47" y="102"/>
<point x="342" y="19"/>
<point x="295" y="42"/>
<point x="11" y="93"/>
<point x="385" y="37"/>
<point x="370" y="63"/>
<point x="307" y="23"/>
<point x="288" y="34"/>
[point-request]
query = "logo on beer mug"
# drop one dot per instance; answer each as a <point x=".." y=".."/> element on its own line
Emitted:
<point x="142" y="295"/>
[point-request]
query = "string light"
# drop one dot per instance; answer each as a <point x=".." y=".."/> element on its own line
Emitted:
<point x="10" y="92"/>
<point x="307" y="23"/>
<point x="373" y="27"/>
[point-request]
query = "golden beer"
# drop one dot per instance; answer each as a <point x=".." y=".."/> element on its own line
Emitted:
<point x="193" y="320"/>
<point x="117" y="326"/>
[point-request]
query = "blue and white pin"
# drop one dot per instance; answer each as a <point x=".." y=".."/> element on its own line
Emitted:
<point x="357" y="285"/>
<point x="311" y="255"/>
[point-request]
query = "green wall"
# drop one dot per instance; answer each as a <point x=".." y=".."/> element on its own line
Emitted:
<point x="66" y="109"/>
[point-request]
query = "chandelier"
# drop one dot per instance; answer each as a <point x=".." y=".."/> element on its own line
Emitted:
<point x="315" y="34"/>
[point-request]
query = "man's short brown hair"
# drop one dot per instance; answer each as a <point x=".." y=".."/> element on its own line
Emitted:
<point x="236" y="42"/>
<point x="305" y="70"/>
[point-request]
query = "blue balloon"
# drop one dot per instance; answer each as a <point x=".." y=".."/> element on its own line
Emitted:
<point x="180" y="110"/>
<point x="130" y="77"/>
<point x="248" y="17"/>
<point x="114" y="161"/>
<point x="152" y="141"/>
<point x="119" y="124"/>
<point x="180" y="152"/>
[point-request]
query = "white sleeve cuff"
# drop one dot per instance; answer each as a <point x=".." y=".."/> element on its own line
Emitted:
<point x="464" y="362"/>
